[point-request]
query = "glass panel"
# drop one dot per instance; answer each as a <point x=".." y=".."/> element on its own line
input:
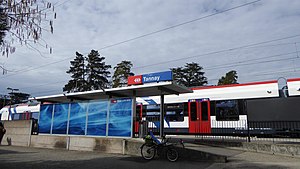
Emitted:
<point x="77" y="118"/>
<point x="35" y="115"/>
<point x="120" y="118"/>
<point x="174" y="112"/>
<point x="45" y="118"/>
<point x="97" y="114"/>
<point x="227" y="110"/>
<point x="60" y="120"/>
<point x="15" y="116"/>
<point x="193" y="111"/>
<point x="204" y="111"/>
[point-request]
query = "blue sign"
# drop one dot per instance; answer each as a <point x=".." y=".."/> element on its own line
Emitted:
<point x="158" y="77"/>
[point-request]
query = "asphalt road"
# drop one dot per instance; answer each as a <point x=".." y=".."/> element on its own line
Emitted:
<point x="34" y="158"/>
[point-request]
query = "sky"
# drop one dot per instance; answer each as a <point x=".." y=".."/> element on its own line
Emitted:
<point x="261" y="41"/>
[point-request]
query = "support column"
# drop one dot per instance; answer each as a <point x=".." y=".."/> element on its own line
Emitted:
<point x="162" y="114"/>
<point x="133" y="113"/>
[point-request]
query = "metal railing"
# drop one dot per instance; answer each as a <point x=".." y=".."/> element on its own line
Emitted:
<point x="242" y="130"/>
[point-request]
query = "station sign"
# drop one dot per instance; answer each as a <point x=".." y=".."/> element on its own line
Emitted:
<point x="135" y="80"/>
<point x="157" y="77"/>
<point x="150" y="78"/>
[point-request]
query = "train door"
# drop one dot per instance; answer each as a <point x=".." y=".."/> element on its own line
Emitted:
<point x="199" y="116"/>
<point x="139" y="116"/>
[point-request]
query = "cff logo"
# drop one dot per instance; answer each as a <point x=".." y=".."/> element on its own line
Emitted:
<point x="137" y="80"/>
<point x="134" y="80"/>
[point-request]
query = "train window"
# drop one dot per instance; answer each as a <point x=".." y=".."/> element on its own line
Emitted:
<point x="173" y="112"/>
<point x="174" y="116"/>
<point x="15" y="116"/>
<point x="204" y="111"/>
<point x="193" y="111"/>
<point x="213" y="108"/>
<point x="242" y="107"/>
<point x="23" y="116"/>
<point x="227" y="110"/>
<point x="35" y="115"/>
<point x="185" y="109"/>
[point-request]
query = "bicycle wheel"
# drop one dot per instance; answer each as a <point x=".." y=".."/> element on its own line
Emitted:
<point x="148" y="151"/>
<point x="172" y="154"/>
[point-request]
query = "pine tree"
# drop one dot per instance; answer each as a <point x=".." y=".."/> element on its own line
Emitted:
<point x="97" y="71"/>
<point x="189" y="76"/>
<point x="78" y="72"/>
<point x="230" y="78"/>
<point x="122" y="71"/>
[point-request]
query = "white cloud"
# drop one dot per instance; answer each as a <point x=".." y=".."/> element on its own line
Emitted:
<point x="91" y="24"/>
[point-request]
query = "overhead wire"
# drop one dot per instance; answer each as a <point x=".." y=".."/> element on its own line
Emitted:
<point x="150" y="33"/>
<point x="217" y="52"/>
<point x="240" y="63"/>
<point x="174" y="26"/>
<point x="183" y="58"/>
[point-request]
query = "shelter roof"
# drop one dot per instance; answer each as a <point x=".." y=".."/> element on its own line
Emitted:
<point x="149" y="89"/>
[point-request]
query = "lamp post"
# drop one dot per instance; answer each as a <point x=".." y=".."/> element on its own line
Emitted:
<point x="12" y="92"/>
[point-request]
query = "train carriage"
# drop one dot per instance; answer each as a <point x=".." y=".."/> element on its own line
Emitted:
<point x="261" y="107"/>
<point x="20" y="112"/>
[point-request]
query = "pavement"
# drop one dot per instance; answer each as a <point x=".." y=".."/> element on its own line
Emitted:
<point x="12" y="157"/>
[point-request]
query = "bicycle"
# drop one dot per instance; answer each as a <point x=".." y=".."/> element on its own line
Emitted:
<point x="153" y="146"/>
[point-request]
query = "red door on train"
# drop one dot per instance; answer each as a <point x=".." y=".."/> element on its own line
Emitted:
<point x="139" y="117"/>
<point x="199" y="116"/>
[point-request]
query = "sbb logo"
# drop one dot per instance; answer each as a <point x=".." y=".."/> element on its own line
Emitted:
<point x="134" y="80"/>
<point x="137" y="80"/>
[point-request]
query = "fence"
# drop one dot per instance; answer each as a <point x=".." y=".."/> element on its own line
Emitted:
<point x="242" y="130"/>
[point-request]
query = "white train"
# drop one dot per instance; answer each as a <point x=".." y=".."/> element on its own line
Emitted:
<point x="251" y="108"/>
<point x="20" y="112"/>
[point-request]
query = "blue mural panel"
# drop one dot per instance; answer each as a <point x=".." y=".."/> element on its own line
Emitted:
<point x="120" y="119"/>
<point x="45" y="118"/>
<point x="60" y="120"/>
<point x="97" y="115"/>
<point x="77" y="118"/>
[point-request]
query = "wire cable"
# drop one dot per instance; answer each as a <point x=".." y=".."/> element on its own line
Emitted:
<point x="147" y="34"/>
<point x="217" y="52"/>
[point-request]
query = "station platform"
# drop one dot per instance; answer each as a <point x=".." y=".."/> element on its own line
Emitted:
<point x="223" y="151"/>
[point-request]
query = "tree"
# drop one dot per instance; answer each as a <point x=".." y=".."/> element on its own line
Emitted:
<point x="3" y="25"/>
<point x="22" y="22"/>
<point x="3" y="100"/>
<point x="97" y="71"/>
<point x="78" y="72"/>
<point x="92" y="75"/>
<point x="121" y="74"/>
<point x="18" y="97"/>
<point x="189" y="76"/>
<point x="230" y="78"/>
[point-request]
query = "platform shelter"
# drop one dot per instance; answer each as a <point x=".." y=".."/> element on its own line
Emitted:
<point x="104" y="113"/>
